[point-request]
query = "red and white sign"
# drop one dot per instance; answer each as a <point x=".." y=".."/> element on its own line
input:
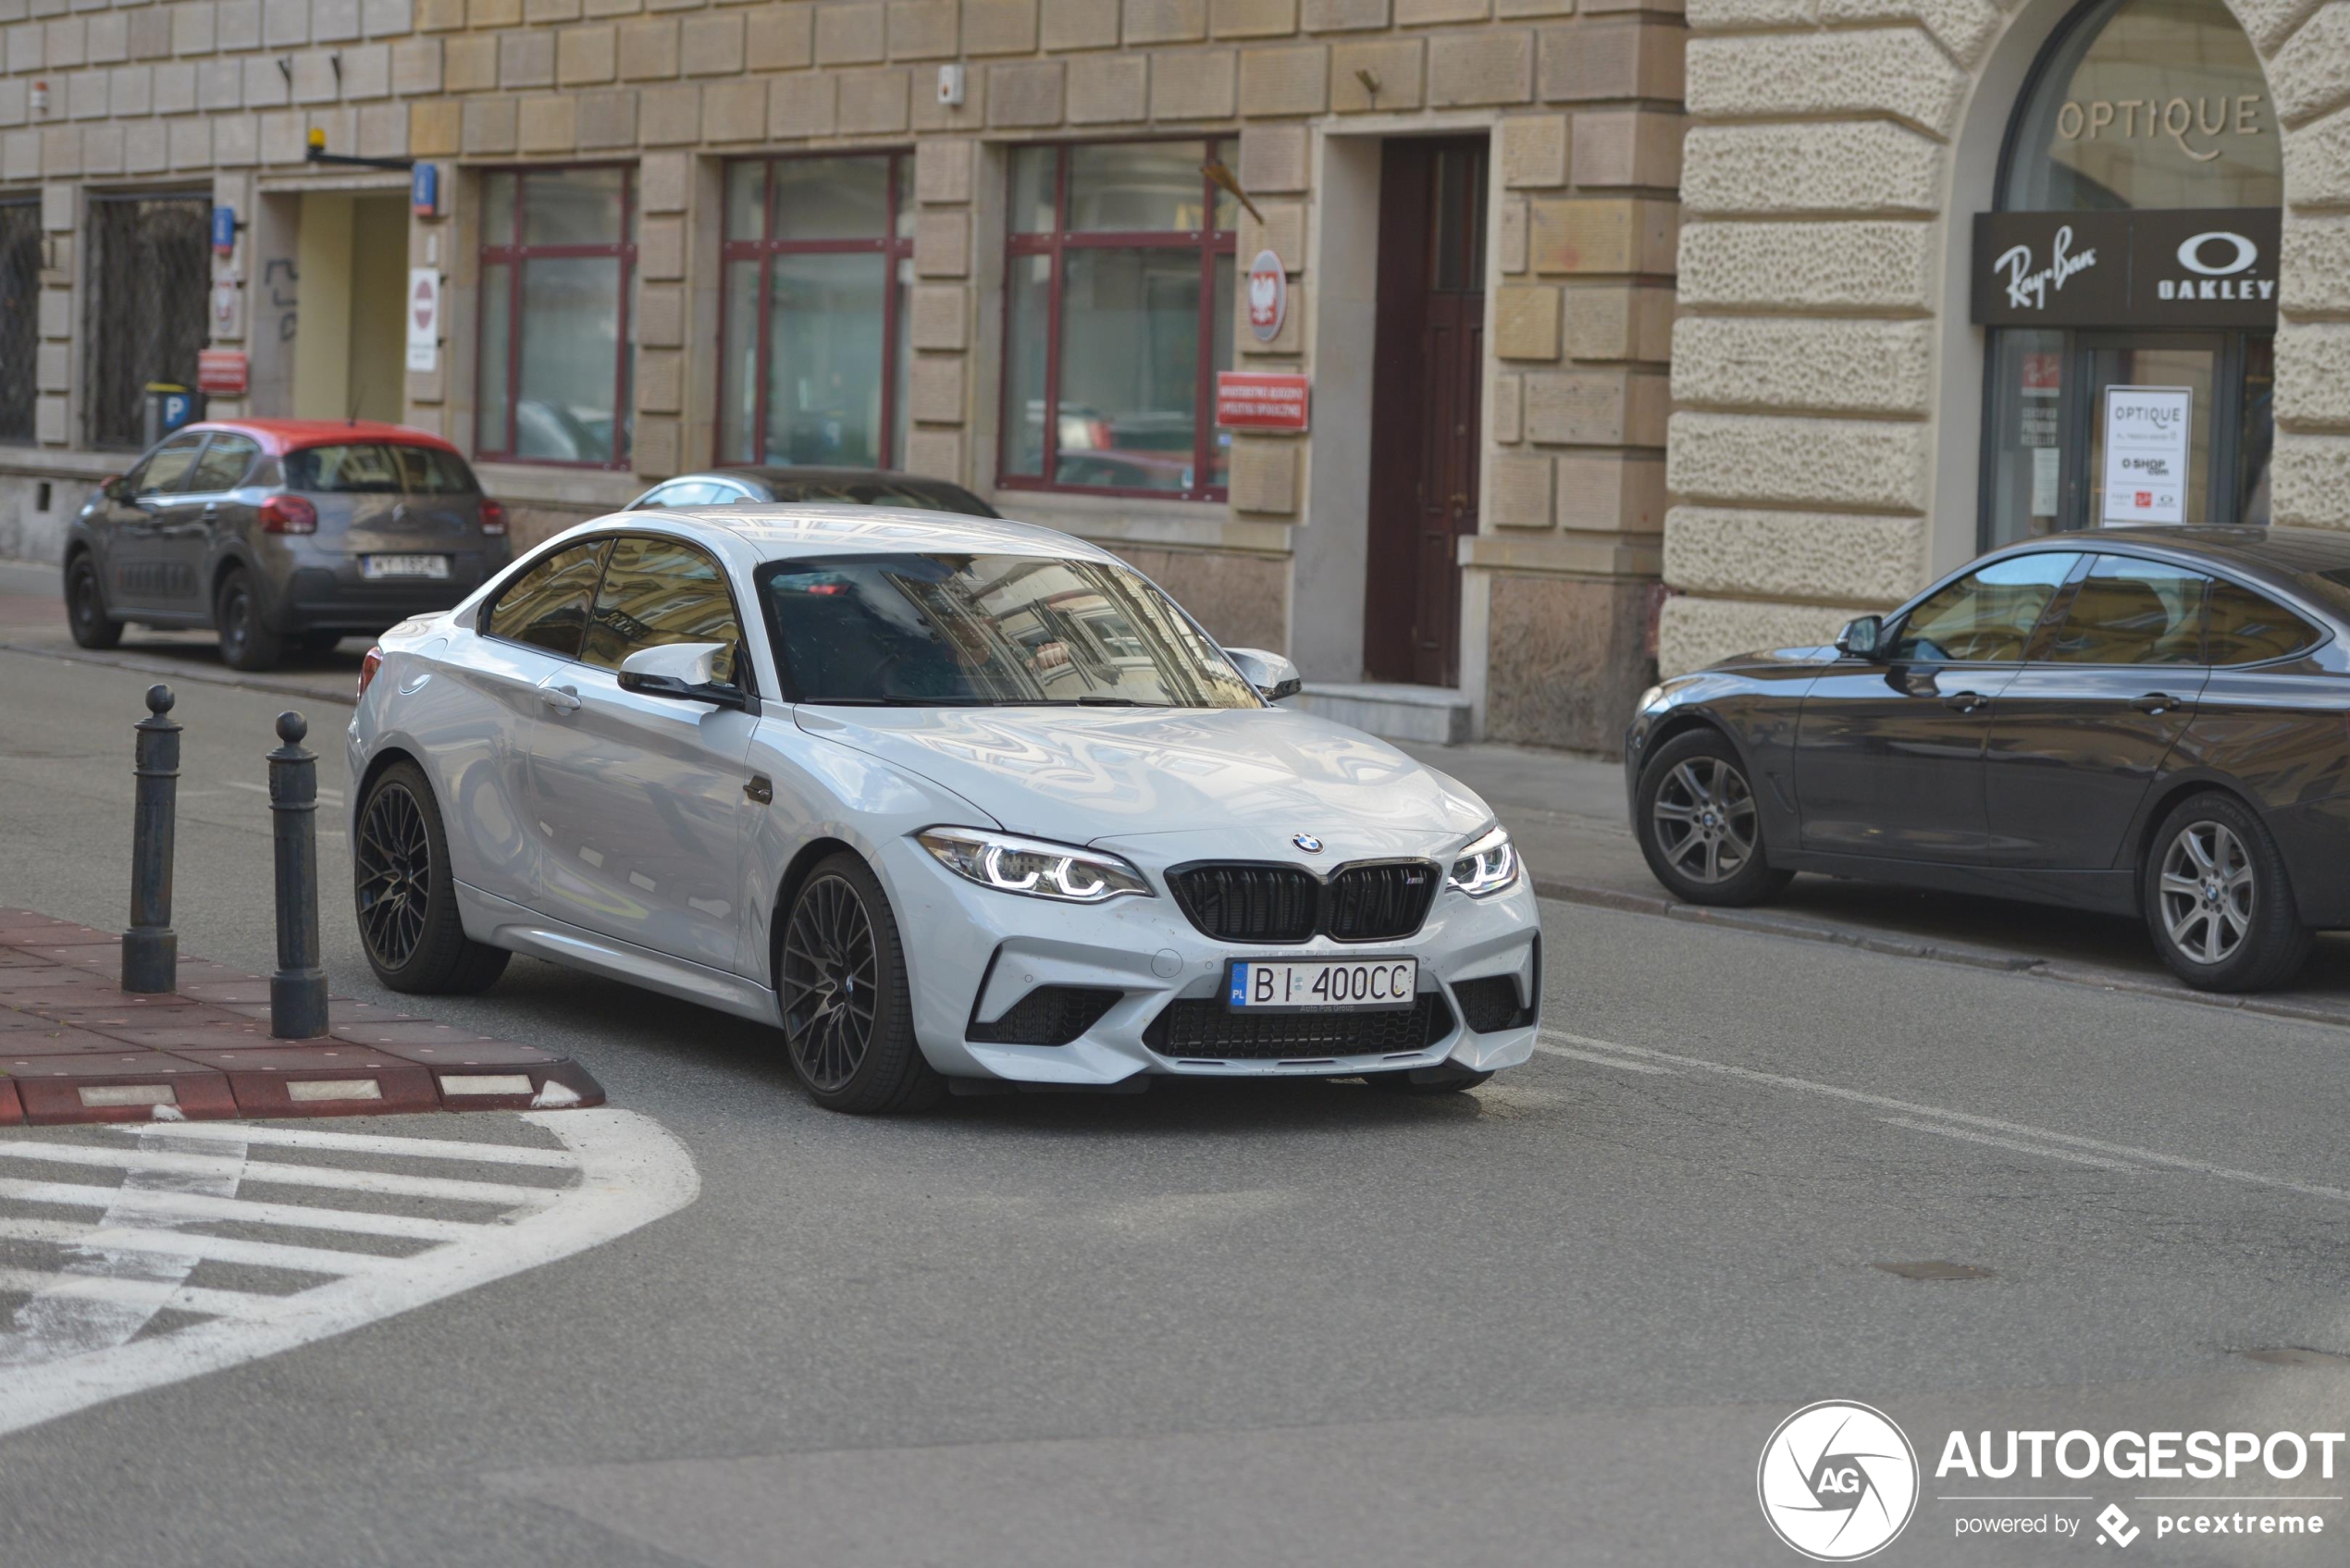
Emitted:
<point x="1262" y="399"/>
<point x="1268" y="296"/>
<point x="221" y="372"/>
<point x="424" y="319"/>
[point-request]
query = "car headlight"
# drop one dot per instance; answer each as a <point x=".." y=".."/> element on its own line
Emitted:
<point x="1033" y="867"/>
<point x="1488" y="865"/>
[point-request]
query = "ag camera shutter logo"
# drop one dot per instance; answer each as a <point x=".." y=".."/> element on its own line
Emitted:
<point x="1838" y="1481"/>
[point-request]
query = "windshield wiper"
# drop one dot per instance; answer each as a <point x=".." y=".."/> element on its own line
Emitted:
<point x="904" y="701"/>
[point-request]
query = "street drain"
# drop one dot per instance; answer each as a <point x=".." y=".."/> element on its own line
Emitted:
<point x="1934" y="1269"/>
<point x="2296" y="1355"/>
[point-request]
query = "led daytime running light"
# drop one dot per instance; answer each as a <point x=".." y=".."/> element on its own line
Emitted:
<point x="1488" y="865"/>
<point x="1031" y="867"/>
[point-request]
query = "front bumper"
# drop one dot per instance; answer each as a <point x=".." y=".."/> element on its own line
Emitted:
<point x="973" y="954"/>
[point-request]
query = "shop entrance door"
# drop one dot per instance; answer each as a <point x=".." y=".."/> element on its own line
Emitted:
<point x="1425" y="438"/>
<point x="350" y="325"/>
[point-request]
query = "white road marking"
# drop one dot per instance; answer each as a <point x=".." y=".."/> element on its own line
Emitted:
<point x="58" y="1324"/>
<point x="1991" y="1124"/>
<point x="326" y="797"/>
<point x="391" y="1183"/>
<point x="369" y="1144"/>
<point x="2018" y="1144"/>
<point x="622" y="1171"/>
<point x="1622" y="1063"/>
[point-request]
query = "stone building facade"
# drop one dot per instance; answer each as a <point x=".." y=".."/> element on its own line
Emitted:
<point x="1840" y="414"/>
<point x="689" y="122"/>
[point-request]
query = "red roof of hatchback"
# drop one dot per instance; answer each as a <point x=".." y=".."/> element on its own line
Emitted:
<point x="279" y="436"/>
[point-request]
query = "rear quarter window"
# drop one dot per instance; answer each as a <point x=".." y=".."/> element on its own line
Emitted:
<point x="2244" y="628"/>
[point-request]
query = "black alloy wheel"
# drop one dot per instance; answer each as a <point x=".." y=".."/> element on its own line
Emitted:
<point x="245" y="643"/>
<point x="2217" y="901"/>
<point x="86" y="607"/>
<point x="841" y="983"/>
<point x="406" y="904"/>
<point x="1700" y="826"/>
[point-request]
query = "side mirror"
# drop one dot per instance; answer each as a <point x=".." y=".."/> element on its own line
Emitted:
<point x="682" y="671"/>
<point x="1273" y="676"/>
<point x="1860" y="639"/>
<point x="114" y="486"/>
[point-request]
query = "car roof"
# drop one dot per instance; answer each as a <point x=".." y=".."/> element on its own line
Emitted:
<point x="2302" y="561"/>
<point x="759" y="532"/>
<point x="279" y="436"/>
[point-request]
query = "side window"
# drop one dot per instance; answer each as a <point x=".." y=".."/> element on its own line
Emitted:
<point x="2130" y="611"/>
<point x="224" y="463"/>
<point x="167" y="469"/>
<point x="661" y="591"/>
<point x="2244" y="628"/>
<point x="1987" y="616"/>
<point x="547" y="606"/>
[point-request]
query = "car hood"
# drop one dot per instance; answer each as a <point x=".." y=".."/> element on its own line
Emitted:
<point x="1254" y="776"/>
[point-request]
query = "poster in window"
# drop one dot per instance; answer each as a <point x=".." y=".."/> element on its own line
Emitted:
<point x="2147" y="431"/>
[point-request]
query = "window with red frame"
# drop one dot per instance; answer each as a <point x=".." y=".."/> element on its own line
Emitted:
<point x="558" y="339"/>
<point x="812" y="343"/>
<point x="1117" y="316"/>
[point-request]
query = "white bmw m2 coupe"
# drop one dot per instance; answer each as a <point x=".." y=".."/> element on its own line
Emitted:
<point x="945" y="799"/>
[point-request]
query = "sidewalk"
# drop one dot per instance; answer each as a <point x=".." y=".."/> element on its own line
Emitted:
<point x="74" y="1047"/>
<point x="1568" y="815"/>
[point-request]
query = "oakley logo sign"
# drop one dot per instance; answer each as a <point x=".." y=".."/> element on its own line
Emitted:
<point x="2215" y="257"/>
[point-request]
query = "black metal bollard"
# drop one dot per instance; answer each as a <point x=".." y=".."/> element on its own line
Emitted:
<point x="298" y="991"/>
<point x="150" y="948"/>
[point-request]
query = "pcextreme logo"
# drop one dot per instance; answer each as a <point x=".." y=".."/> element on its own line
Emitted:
<point x="1837" y="1481"/>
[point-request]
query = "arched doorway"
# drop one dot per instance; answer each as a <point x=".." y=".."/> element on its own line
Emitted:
<point x="2128" y="277"/>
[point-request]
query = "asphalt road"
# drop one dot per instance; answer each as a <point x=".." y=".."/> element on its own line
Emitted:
<point x="1552" y="1321"/>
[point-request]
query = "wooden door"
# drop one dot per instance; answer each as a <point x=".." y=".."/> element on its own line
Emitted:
<point x="1428" y="372"/>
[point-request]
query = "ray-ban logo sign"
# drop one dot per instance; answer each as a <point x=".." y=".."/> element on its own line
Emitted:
<point x="2147" y="270"/>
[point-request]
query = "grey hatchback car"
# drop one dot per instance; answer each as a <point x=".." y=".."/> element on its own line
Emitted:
<point x="277" y="532"/>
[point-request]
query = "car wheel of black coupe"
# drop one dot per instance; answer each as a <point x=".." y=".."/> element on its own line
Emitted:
<point x="406" y="900"/>
<point x="848" y="1018"/>
<point x="86" y="607"/>
<point x="2217" y="901"/>
<point x="245" y="643"/>
<point x="1700" y="826"/>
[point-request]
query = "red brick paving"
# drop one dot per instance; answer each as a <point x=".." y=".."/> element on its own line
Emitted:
<point x="74" y="1047"/>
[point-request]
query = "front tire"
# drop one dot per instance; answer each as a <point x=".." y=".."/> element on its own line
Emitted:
<point x="86" y="607"/>
<point x="2217" y="901"/>
<point x="848" y="1015"/>
<point x="405" y="898"/>
<point x="245" y="643"/>
<point x="1699" y="825"/>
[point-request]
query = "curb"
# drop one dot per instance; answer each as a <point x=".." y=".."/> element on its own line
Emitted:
<point x="74" y="1047"/>
<point x="2066" y="971"/>
<point x="170" y="669"/>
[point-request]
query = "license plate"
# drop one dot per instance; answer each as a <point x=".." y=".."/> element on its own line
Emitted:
<point x="404" y="566"/>
<point x="1320" y="986"/>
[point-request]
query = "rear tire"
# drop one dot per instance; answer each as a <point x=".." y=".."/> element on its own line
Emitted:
<point x="2217" y="903"/>
<point x="86" y="605"/>
<point x="245" y="643"/>
<point x="405" y="898"/>
<point x="1699" y="825"/>
<point x="847" y="1013"/>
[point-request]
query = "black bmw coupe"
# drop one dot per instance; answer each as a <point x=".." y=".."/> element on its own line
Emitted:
<point x="2150" y="722"/>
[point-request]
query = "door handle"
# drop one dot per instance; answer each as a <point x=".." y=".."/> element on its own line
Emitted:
<point x="1966" y="701"/>
<point x="559" y="698"/>
<point x="2154" y="702"/>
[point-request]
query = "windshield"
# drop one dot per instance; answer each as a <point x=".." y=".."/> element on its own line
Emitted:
<point x="989" y="630"/>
